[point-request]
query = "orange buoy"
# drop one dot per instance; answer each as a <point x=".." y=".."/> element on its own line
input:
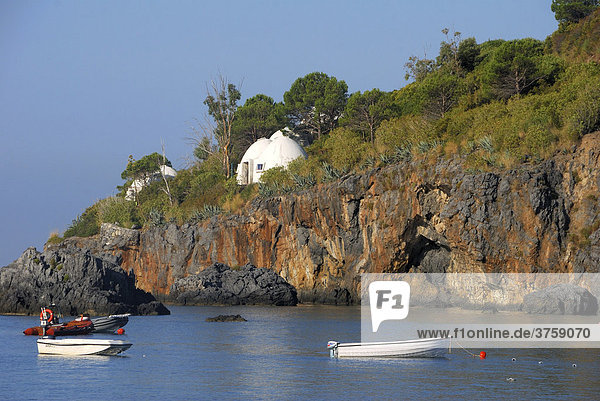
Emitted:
<point x="482" y="355"/>
<point x="121" y="331"/>
<point x="47" y="314"/>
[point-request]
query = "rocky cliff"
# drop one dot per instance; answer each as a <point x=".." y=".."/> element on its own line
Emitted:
<point x="426" y="215"/>
<point x="76" y="280"/>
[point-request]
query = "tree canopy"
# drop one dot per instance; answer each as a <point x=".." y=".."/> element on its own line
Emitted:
<point x="568" y="11"/>
<point x="517" y="66"/>
<point x="146" y="166"/>
<point x="259" y="117"/>
<point x="315" y="102"/>
<point x="221" y="99"/>
<point x="365" y="111"/>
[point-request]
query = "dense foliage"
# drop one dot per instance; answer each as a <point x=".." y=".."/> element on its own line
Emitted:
<point x="569" y="11"/>
<point x="495" y="104"/>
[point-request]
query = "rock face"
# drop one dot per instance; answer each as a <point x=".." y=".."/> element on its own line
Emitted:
<point x="561" y="299"/>
<point x="431" y="214"/>
<point x="219" y="284"/>
<point x="77" y="282"/>
<point x="427" y="215"/>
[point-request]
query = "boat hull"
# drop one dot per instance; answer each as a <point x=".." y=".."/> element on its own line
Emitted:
<point x="427" y="348"/>
<point x="72" y="328"/>
<point x="85" y="346"/>
<point x="110" y="323"/>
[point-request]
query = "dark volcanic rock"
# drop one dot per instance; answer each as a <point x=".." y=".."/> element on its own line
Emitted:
<point x="561" y="299"/>
<point x="219" y="284"/>
<point x="226" y="318"/>
<point x="74" y="279"/>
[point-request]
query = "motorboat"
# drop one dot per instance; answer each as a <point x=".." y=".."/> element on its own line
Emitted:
<point x="80" y="346"/>
<point x="72" y="328"/>
<point x="81" y="325"/>
<point x="108" y="324"/>
<point x="422" y="348"/>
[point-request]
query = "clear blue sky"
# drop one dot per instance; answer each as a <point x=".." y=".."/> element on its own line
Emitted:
<point x="84" y="84"/>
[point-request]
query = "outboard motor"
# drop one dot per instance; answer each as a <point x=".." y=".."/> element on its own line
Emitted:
<point x="332" y="346"/>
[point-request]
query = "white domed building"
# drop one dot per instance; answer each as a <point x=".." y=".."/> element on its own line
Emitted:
<point x="264" y="154"/>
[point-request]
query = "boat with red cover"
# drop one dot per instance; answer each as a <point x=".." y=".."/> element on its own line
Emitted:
<point x="81" y="325"/>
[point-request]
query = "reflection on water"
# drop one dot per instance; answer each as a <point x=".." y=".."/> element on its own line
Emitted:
<point x="279" y="353"/>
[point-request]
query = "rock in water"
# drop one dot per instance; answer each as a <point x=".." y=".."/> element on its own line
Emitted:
<point x="74" y="279"/>
<point x="226" y="318"/>
<point x="561" y="299"/>
<point x="219" y="284"/>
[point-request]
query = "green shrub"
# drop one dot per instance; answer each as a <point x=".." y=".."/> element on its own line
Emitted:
<point x="345" y="148"/>
<point x="117" y="210"/>
<point x="403" y="131"/>
<point x="277" y="175"/>
<point x="84" y="225"/>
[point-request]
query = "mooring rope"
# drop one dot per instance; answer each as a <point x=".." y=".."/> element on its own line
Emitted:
<point x="464" y="349"/>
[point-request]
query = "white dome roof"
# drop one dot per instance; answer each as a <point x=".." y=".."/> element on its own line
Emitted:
<point x="280" y="133"/>
<point x="266" y="153"/>
<point x="282" y="151"/>
<point x="256" y="149"/>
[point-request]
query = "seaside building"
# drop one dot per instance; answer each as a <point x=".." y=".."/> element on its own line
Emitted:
<point x="137" y="185"/>
<point x="266" y="153"/>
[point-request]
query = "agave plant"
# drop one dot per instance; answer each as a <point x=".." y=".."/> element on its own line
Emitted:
<point x="402" y="153"/>
<point x="156" y="217"/>
<point x="303" y="182"/>
<point x="486" y="144"/>
<point x="330" y="173"/>
<point x="209" y="211"/>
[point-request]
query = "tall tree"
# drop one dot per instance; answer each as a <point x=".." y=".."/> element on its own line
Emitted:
<point x="457" y="56"/>
<point x="568" y="11"/>
<point x="222" y="97"/>
<point x="441" y="90"/>
<point x="418" y="68"/>
<point x="468" y="53"/>
<point x="315" y="102"/>
<point x="517" y="66"/>
<point x="259" y="117"/>
<point x="365" y="111"/>
<point x="448" y="56"/>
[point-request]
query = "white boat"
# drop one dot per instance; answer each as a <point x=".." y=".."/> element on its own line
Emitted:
<point x="423" y="348"/>
<point x="81" y="346"/>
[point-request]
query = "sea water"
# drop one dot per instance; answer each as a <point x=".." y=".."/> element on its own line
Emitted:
<point x="279" y="353"/>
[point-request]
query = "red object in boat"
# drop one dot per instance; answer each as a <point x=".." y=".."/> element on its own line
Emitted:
<point x="71" y="328"/>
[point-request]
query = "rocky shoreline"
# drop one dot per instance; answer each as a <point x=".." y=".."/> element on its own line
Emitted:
<point x="76" y="282"/>
<point x="219" y="284"/>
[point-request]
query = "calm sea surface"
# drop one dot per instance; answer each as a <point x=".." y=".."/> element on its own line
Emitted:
<point x="278" y="354"/>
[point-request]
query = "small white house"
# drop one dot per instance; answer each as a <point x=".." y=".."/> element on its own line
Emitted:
<point x="137" y="185"/>
<point x="264" y="154"/>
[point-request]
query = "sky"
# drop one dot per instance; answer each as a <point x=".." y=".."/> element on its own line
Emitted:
<point x="85" y="84"/>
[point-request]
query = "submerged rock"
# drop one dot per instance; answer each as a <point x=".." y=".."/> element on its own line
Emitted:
<point x="226" y="318"/>
<point x="219" y="284"/>
<point x="561" y="299"/>
<point x="74" y="279"/>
